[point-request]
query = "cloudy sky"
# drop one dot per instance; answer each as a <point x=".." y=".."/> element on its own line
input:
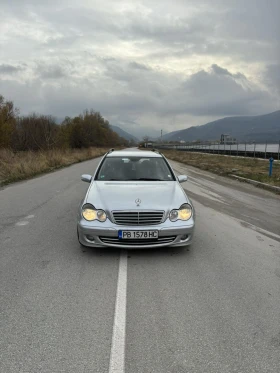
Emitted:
<point x="145" y="65"/>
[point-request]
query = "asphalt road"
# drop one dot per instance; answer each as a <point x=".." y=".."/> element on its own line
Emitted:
<point x="214" y="307"/>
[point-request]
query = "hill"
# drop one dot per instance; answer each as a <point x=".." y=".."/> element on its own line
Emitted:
<point x="259" y="128"/>
<point x="124" y="134"/>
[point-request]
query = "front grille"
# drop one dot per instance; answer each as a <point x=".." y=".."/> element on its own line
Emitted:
<point x="159" y="241"/>
<point x="138" y="217"/>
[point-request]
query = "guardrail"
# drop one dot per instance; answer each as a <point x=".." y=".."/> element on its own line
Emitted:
<point x="239" y="149"/>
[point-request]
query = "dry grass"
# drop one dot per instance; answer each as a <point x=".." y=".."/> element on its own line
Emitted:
<point x="24" y="165"/>
<point x="255" y="169"/>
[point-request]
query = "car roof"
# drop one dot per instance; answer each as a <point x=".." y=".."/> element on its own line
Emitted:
<point x="134" y="153"/>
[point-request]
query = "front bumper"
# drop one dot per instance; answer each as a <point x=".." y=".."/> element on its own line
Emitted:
<point x="96" y="234"/>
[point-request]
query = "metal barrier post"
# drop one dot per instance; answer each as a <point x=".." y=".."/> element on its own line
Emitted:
<point x="270" y="166"/>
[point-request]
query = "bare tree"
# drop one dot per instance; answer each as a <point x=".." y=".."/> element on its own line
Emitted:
<point x="8" y="115"/>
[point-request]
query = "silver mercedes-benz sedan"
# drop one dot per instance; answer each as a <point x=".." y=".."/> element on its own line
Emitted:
<point x="135" y="200"/>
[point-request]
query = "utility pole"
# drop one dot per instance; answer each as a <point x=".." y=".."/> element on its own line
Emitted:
<point x="161" y="135"/>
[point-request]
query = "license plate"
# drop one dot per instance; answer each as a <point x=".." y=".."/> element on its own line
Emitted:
<point x="130" y="235"/>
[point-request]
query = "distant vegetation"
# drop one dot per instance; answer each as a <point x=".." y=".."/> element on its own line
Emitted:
<point x="34" y="144"/>
<point x="36" y="132"/>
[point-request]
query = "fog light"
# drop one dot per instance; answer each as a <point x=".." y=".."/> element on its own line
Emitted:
<point x="90" y="238"/>
<point x="183" y="238"/>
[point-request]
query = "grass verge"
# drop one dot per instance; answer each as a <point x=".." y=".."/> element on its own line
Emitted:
<point x="255" y="169"/>
<point x="25" y="165"/>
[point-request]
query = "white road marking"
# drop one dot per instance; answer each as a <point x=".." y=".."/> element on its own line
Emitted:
<point x="250" y="217"/>
<point x="117" y="358"/>
<point x="193" y="182"/>
<point x="260" y="230"/>
<point x="213" y="196"/>
<point x="20" y="223"/>
<point x="30" y="217"/>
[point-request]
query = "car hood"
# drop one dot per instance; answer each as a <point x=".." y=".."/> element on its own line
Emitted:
<point x="110" y="196"/>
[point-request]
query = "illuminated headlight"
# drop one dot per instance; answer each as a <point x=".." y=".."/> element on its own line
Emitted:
<point x="183" y="213"/>
<point x="90" y="213"/>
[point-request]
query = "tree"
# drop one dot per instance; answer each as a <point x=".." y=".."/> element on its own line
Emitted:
<point x="89" y="129"/>
<point x="41" y="132"/>
<point x="8" y="115"/>
<point x="35" y="132"/>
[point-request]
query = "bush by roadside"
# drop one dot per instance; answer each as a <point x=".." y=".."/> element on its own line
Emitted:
<point x="15" y="166"/>
<point x="255" y="169"/>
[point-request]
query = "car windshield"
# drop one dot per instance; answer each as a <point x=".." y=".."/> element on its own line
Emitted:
<point x="135" y="168"/>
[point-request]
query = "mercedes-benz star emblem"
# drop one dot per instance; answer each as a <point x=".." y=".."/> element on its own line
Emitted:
<point x="138" y="201"/>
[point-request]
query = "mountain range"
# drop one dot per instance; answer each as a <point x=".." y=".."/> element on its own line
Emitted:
<point x="124" y="134"/>
<point x="259" y="128"/>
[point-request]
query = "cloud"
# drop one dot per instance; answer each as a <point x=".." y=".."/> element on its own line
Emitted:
<point x="51" y="72"/>
<point x="138" y="66"/>
<point x="9" y="69"/>
<point x="145" y="100"/>
<point x="272" y="77"/>
<point x="218" y="92"/>
<point x="220" y="71"/>
<point x="145" y="65"/>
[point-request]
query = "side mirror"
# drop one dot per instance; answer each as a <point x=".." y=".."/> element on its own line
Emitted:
<point x="182" y="178"/>
<point x="86" y="178"/>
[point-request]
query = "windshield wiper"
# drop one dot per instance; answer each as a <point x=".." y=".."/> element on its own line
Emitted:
<point x="140" y="179"/>
<point x="146" y="179"/>
<point x="120" y="179"/>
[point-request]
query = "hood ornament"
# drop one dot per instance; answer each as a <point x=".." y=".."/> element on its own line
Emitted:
<point x="138" y="201"/>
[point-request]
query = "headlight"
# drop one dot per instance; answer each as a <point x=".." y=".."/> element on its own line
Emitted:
<point x="183" y="213"/>
<point x="90" y="213"/>
<point x="173" y="216"/>
<point x="101" y="215"/>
